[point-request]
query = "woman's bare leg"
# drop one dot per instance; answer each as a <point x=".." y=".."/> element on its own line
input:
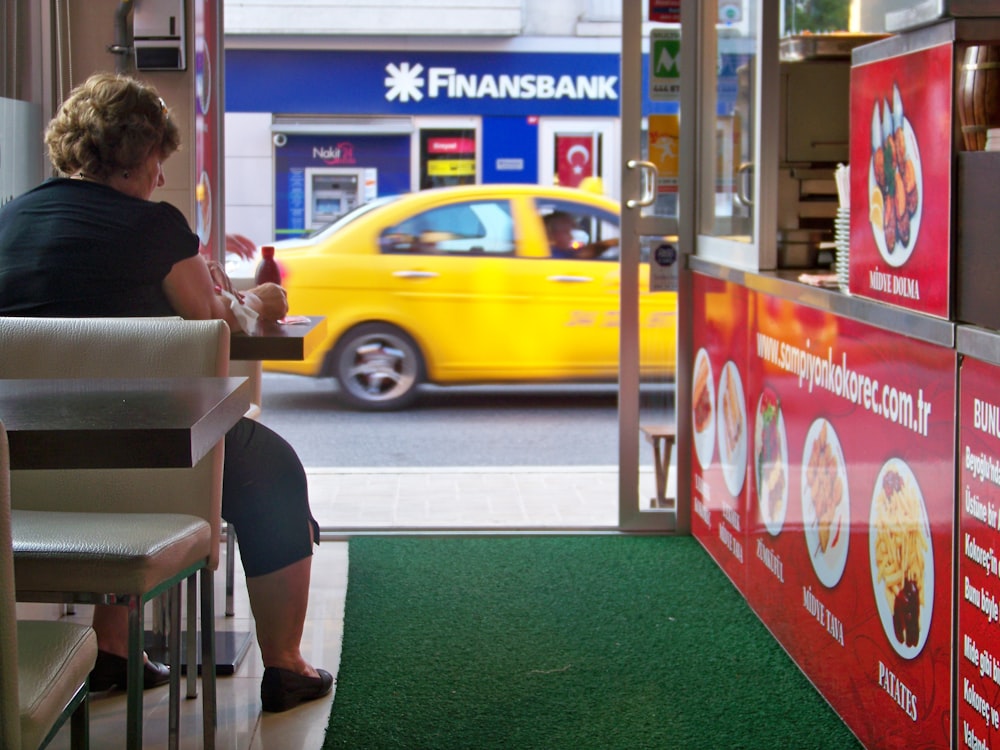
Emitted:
<point x="111" y="626"/>
<point x="279" y="601"/>
<point x="281" y="598"/>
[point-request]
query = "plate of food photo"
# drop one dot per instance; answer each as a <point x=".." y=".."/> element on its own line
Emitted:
<point x="731" y="430"/>
<point x="703" y="409"/>
<point x="771" y="461"/>
<point x="902" y="558"/>
<point x="826" y="507"/>
<point x="895" y="182"/>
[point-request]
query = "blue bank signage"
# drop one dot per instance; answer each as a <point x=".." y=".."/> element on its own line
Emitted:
<point x="414" y="83"/>
<point x="409" y="82"/>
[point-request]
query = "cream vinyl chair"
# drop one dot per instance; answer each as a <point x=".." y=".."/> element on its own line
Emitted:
<point x="44" y="665"/>
<point x="166" y="521"/>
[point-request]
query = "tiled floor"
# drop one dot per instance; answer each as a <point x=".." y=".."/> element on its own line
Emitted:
<point x="346" y="499"/>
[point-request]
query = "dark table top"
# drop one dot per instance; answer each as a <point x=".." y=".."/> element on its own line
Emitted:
<point x="118" y="423"/>
<point x="270" y="340"/>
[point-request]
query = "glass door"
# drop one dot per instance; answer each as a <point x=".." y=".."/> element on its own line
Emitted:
<point x="651" y="198"/>
<point x="737" y="50"/>
<point x="725" y="180"/>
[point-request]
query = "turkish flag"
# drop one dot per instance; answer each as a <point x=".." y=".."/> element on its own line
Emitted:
<point x="575" y="159"/>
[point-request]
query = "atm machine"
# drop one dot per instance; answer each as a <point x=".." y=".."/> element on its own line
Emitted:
<point x="333" y="191"/>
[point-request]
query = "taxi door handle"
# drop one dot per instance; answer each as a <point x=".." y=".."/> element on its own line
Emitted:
<point x="414" y="274"/>
<point x="571" y="279"/>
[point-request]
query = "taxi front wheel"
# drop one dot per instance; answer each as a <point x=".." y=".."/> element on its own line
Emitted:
<point x="378" y="367"/>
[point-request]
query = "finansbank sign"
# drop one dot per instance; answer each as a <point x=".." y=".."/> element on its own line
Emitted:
<point x="433" y="82"/>
<point x="407" y="82"/>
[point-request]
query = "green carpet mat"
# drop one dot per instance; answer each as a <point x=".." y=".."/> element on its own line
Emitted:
<point x="551" y="642"/>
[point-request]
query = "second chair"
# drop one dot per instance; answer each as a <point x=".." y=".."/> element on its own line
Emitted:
<point x="121" y="536"/>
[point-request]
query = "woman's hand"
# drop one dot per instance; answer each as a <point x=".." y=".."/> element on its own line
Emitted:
<point x="220" y="278"/>
<point x="272" y="298"/>
<point x="269" y="301"/>
<point x="195" y="288"/>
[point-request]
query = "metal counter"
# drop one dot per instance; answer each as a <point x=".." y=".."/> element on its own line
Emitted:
<point x="980" y="343"/>
<point x="785" y="284"/>
<point x="960" y="30"/>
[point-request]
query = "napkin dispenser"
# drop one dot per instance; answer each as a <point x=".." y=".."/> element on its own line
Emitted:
<point x="159" y="35"/>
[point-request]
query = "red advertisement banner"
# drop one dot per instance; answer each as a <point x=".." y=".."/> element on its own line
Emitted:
<point x="451" y="146"/>
<point x="846" y="516"/>
<point x="719" y="494"/>
<point x="207" y="122"/>
<point x="665" y="11"/>
<point x="901" y="189"/>
<point x="978" y="653"/>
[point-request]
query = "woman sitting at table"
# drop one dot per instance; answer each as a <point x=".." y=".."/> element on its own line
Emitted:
<point x="93" y="244"/>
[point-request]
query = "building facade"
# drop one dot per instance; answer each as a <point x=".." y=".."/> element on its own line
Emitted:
<point x="328" y="109"/>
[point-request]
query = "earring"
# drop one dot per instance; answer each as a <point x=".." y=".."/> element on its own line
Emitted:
<point x="125" y="174"/>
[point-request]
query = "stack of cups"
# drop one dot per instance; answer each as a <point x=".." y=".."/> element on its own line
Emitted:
<point x="842" y="243"/>
<point x="842" y="226"/>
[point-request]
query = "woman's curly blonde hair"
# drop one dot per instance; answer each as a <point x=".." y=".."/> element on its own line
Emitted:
<point x="110" y="123"/>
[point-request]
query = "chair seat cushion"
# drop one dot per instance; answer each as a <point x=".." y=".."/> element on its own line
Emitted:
<point x="107" y="553"/>
<point x="53" y="660"/>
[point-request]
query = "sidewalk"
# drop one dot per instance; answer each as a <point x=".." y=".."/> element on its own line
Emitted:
<point x="470" y="497"/>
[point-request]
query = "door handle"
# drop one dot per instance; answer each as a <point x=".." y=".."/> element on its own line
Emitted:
<point x="745" y="169"/>
<point x="649" y="175"/>
<point x="414" y="274"/>
<point x="570" y="279"/>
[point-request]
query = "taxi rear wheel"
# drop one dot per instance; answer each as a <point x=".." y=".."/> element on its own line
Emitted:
<point x="378" y="367"/>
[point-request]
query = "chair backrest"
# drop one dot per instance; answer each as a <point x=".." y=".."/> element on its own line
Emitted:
<point x="128" y="348"/>
<point x="10" y="706"/>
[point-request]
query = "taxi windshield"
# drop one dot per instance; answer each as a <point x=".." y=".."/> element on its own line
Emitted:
<point x="323" y="232"/>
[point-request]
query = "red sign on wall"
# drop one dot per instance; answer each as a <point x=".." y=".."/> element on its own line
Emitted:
<point x="208" y="125"/>
<point x="665" y="11"/>
<point x="978" y="654"/>
<point x="451" y="146"/>
<point x="719" y="495"/>
<point x="901" y="191"/>
<point x="845" y="520"/>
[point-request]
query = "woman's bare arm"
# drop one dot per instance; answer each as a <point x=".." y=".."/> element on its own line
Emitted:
<point x="191" y="291"/>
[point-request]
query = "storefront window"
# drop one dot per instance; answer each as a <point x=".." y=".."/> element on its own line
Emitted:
<point x="447" y="157"/>
<point x="733" y="153"/>
<point x="815" y="16"/>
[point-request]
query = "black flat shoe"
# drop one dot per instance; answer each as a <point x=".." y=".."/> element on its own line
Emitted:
<point x="111" y="670"/>
<point x="281" y="689"/>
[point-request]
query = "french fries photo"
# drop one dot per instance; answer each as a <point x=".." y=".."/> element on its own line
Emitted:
<point x="900" y="551"/>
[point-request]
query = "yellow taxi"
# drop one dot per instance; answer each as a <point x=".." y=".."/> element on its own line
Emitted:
<point x="459" y="285"/>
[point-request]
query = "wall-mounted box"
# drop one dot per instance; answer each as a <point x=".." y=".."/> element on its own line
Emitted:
<point x="977" y="214"/>
<point x="159" y="38"/>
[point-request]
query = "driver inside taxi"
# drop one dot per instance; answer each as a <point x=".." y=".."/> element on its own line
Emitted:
<point x="560" y="227"/>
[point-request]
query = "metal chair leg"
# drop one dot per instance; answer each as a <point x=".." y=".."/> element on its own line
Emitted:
<point x="191" y="643"/>
<point x="174" y="650"/>
<point x="79" y="724"/>
<point x="133" y="705"/>
<point x="230" y="568"/>
<point x="209" y="707"/>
